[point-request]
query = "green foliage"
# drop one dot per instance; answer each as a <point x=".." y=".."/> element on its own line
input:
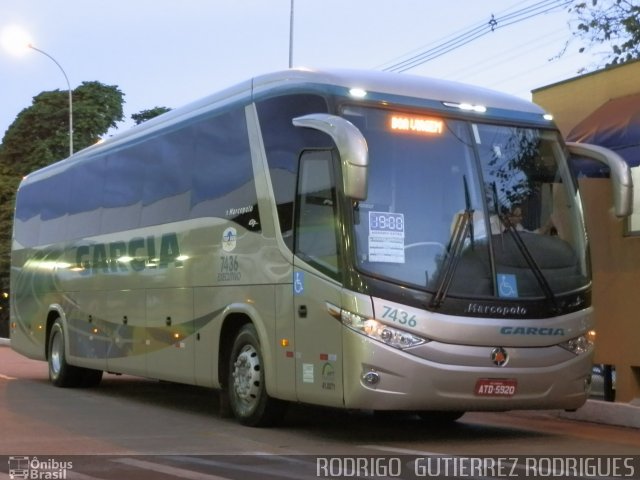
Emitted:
<point x="96" y="109"/>
<point x="145" y="115"/>
<point x="7" y="189"/>
<point x="614" y="23"/>
<point x="40" y="133"/>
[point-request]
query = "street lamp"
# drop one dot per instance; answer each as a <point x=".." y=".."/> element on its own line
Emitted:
<point x="30" y="45"/>
<point x="16" y="41"/>
<point x="291" y="18"/>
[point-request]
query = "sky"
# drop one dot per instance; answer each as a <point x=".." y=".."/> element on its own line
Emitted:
<point x="171" y="52"/>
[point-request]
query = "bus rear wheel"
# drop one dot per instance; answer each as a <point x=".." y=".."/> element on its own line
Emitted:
<point x="61" y="374"/>
<point x="248" y="398"/>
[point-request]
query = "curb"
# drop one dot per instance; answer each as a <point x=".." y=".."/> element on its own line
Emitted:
<point x="609" y="413"/>
<point x="5" y="342"/>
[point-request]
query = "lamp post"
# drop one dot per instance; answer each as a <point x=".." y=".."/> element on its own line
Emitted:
<point x="70" y="95"/>
<point x="16" y="41"/>
<point x="291" y="36"/>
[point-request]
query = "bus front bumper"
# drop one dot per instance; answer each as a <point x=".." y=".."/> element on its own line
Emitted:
<point x="463" y="378"/>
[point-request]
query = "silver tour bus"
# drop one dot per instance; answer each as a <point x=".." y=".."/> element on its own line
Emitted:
<point x="362" y="240"/>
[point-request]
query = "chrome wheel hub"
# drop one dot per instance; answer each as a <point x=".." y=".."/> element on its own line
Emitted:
<point x="247" y="376"/>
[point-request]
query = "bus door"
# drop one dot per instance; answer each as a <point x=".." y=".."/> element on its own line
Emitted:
<point x="316" y="286"/>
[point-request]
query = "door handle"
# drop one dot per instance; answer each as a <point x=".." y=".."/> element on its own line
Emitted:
<point x="302" y="311"/>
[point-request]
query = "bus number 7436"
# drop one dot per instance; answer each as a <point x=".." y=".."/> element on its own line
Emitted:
<point x="399" y="316"/>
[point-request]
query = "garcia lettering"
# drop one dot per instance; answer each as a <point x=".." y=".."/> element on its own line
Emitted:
<point x="510" y="330"/>
<point x="137" y="254"/>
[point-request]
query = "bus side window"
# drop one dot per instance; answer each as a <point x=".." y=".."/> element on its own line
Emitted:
<point x="316" y="239"/>
<point x="283" y="143"/>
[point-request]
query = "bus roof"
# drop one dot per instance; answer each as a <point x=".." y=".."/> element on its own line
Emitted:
<point x="396" y="84"/>
<point x="381" y="86"/>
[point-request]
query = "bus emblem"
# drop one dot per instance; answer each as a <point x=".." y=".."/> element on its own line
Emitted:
<point x="499" y="356"/>
<point x="229" y="239"/>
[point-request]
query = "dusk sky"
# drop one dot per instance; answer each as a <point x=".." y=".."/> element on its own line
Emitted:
<point x="168" y="52"/>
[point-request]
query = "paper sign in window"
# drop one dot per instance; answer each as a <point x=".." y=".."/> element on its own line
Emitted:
<point x="386" y="237"/>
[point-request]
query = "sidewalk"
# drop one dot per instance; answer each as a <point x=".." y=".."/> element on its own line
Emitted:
<point x="596" y="411"/>
<point x="610" y="413"/>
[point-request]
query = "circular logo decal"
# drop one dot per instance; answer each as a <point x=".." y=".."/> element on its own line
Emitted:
<point x="229" y="237"/>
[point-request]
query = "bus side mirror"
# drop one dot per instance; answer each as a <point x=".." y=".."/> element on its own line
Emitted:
<point x="352" y="147"/>
<point x="620" y="174"/>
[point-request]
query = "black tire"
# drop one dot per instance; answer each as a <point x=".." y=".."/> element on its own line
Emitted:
<point x="90" y="378"/>
<point x="248" y="398"/>
<point x="61" y="374"/>
<point x="442" y="418"/>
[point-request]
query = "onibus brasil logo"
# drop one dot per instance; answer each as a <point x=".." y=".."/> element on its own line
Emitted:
<point x="33" y="468"/>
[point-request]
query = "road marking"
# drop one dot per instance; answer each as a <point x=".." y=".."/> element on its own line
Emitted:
<point x="6" y="377"/>
<point x="77" y="476"/>
<point x="279" y="470"/>
<point x="176" y="472"/>
<point x="403" y="451"/>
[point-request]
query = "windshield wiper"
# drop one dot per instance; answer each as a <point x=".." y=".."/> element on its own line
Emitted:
<point x="524" y="250"/>
<point x="462" y="228"/>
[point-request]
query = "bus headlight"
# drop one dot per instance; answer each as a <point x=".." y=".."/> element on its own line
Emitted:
<point x="581" y="344"/>
<point x="379" y="331"/>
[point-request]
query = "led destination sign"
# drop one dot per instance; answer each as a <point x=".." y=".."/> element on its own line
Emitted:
<point x="416" y="124"/>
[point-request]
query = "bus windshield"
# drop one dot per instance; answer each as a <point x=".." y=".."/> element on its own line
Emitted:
<point x="474" y="210"/>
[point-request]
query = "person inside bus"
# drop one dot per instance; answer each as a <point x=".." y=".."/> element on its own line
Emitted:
<point x="515" y="217"/>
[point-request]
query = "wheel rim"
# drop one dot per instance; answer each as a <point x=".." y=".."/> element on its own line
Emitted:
<point x="56" y="353"/>
<point x="247" y="378"/>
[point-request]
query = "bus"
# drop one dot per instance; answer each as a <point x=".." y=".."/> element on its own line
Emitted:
<point x="351" y="239"/>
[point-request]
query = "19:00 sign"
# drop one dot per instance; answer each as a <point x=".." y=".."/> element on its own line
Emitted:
<point x="386" y="221"/>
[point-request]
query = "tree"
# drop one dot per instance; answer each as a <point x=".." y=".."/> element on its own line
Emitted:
<point x="40" y="133"/>
<point x="614" y="23"/>
<point x="39" y="136"/>
<point x="145" y="115"/>
<point x="7" y="189"/>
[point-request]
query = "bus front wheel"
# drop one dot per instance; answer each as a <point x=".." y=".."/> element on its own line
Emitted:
<point x="248" y="398"/>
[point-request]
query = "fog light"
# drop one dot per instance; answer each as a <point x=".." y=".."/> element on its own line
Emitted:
<point x="371" y="378"/>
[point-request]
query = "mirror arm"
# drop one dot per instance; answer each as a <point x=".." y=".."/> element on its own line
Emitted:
<point x="620" y="174"/>
<point x="352" y="147"/>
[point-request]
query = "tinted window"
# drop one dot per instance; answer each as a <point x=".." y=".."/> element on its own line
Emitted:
<point x="317" y="224"/>
<point x="283" y="144"/>
<point x="222" y="172"/>
<point x="202" y="169"/>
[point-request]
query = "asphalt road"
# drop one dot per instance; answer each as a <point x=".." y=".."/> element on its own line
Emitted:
<point x="136" y="428"/>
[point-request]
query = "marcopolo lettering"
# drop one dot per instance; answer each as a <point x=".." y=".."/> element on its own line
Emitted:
<point x="510" y="330"/>
<point x="136" y="254"/>
<point x="498" y="310"/>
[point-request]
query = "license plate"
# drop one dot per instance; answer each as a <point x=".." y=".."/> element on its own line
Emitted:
<point x="496" y="387"/>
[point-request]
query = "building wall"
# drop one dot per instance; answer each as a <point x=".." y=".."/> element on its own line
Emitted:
<point x="615" y="258"/>
<point x="572" y="100"/>
<point x="615" y="261"/>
